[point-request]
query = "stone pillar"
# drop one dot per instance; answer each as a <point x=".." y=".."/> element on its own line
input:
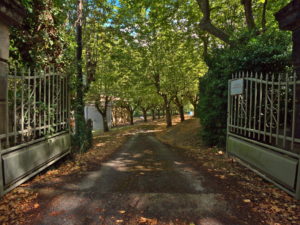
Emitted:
<point x="289" y="19"/>
<point x="11" y="14"/>
<point x="4" y="49"/>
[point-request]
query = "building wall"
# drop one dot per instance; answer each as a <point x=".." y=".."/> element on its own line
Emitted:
<point x="90" y="112"/>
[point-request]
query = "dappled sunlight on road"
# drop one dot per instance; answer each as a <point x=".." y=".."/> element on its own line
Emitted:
<point x="145" y="183"/>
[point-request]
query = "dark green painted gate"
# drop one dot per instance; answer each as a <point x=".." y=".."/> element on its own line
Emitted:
<point x="36" y="125"/>
<point x="261" y="127"/>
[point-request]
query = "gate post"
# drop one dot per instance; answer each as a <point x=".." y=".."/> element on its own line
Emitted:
<point x="289" y="19"/>
<point x="4" y="47"/>
<point x="11" y="13"/>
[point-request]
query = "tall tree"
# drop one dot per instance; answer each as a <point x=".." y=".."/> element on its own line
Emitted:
<point x="80" y="124"/>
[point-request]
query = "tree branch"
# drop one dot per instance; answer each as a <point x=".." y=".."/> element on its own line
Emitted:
<point x="249" y="14"/>
<point x="97" y="105"/>
<point x="263" y="18"/>
<point x="206" y="25"/>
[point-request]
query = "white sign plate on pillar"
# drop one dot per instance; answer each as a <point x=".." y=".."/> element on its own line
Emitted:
<point x="237" y="87"/>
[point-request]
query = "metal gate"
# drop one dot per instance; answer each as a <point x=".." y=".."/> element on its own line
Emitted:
<point x="261" y="126"/>
<point x="35" y="130"/>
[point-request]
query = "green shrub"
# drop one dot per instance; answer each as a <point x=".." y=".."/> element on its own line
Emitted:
<point x="269" y="52"/>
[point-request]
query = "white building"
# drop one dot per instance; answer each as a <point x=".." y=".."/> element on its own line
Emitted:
<point x="91" y="112"/>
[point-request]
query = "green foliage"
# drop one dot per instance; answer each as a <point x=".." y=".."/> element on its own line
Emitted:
<point x="269" y="52"/>
<point x="39" y="40"/>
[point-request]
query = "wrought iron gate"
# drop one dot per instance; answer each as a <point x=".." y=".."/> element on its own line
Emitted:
<point x="261" y="126"/>
<point x="36" y="127"/>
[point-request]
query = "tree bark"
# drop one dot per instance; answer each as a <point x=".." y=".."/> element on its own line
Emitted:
<point x="181" y="113"/>
<point x="164" y="113"/>
<point x="145" y="115"/>
<point x="165" y="98"/>
<point x="195" y="109"/>
<point x="105" y="123"/>
<point x="263" y="17"/>
<point x="103" y="113"/>
<point x="168" y="111"/>
<point x="180" y="108"/>
<point x="248" y="14"/>
<point x="205" y="48"/>
<point x="153" y="114"/>
<point x="168" y="116"/>
<point x="80" y="125"/>
<point x="131" y="117"/>
<point x="158" y="113"/>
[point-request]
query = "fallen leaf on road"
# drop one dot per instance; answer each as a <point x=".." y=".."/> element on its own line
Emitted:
<point x="56" y="213"/>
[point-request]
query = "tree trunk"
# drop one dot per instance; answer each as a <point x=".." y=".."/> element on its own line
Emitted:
<point x="195" y="109"/>
<point x="158" y="114"/>
<point x="180" y="108"/>
<point x="249" y="14"/>
<point x="145" y="115"/>
<point x="263" y="18"/>
<point x="131" y="117"/>
<point x="181" y="113"/>
<point x="153" y="114"/>
<point x="105" y="123"/>
<point x="168" y="116"/>
<point x="167" y="107"/>
<point x="80" y="125"/>
<point x="103" y="113"/>
<point x="206" y="24"/>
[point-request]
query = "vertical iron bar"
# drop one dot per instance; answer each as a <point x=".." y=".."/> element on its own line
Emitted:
<point x="34" y="103"/>
<point x="22" y="106"/>
<point x="49" y="101"/>
<point x="68" y="103"/>
<point x="53" y="111"/>
<point x="239" y="109"/>
<point x="63" y="102"/>
<point x="255" y="108"/>
<point x="40" y="103"/>
<point x="29" y="105"/>
<point x="231" y="108"/>
<point x="56" y="102"/>
<point x="294" y="112"/>
<point x="260" y="105"/>
<point x="266" y="106"/>
<point x="45" y="101"/>
<point x="285" y="109"/>
<point x="246" y="104"/>
<point x="59" y="102"/>
<point x="278" y="109"/>
<point x="235" y="112"/>
<point x="272" y="108"/>
<point x="251" y="101"/>
<point x="15" y="106"/>
<point x="228" y="109"/>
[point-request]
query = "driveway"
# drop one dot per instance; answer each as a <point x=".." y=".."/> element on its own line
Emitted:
<point x="146" y="182"/>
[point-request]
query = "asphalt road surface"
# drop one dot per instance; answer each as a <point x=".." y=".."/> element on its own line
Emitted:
<point x="146" y="182"/>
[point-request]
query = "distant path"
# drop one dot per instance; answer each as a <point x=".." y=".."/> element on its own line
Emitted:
<point x="145" y="183"/>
